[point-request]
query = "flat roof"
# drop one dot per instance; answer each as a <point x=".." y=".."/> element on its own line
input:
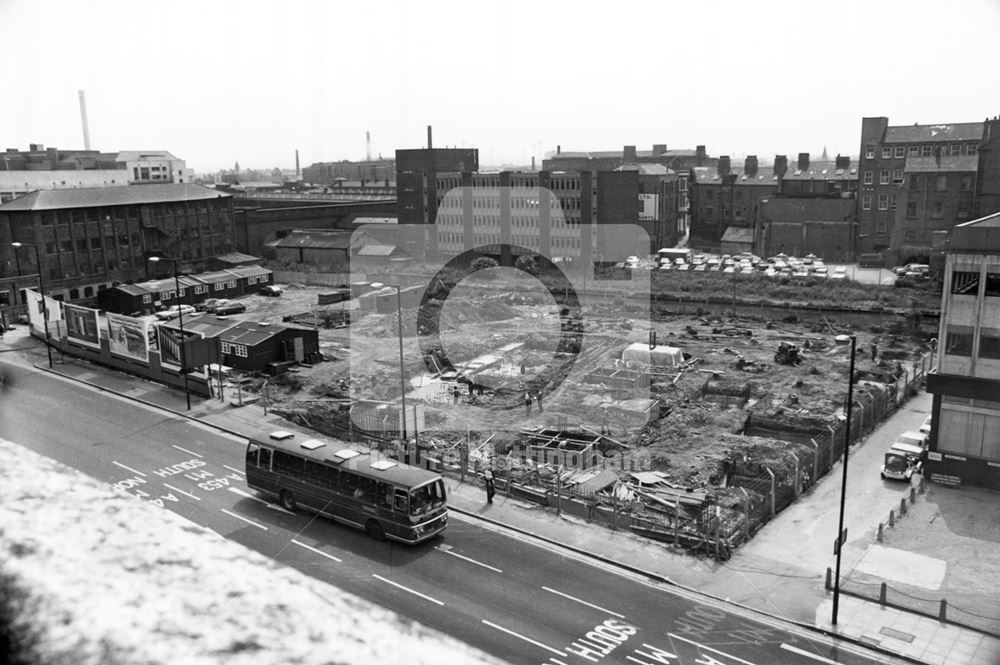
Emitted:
<point x="91" y="197"/>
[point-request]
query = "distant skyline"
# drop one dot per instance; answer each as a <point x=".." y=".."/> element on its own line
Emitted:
<point x="251" y="81"/>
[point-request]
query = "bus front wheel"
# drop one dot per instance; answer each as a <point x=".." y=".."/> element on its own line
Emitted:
<point x="287" y="500"/>
<point x="375" y="530"/>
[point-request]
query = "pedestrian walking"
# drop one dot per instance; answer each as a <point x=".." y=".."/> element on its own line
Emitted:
<point x="527" y="402"/>
<point x="490" y="485"/>
<point x="455" y="394"/>
<point x="538" y="401"/>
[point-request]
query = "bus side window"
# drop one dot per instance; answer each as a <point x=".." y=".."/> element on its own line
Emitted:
<point x="332" y="477"/>
<point x="288" y="464"/>
<point x="401" y="501"/>
<point x="252" y="450"/>
<point x="384" y="495"/>
<point x="316" y="474"/>
<point x="348" y="483"/>
<point x="265" y="458"/>
<point x="369" y="489"/>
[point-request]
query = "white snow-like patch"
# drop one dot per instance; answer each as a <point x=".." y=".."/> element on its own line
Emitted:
<point x="116" y="580"/>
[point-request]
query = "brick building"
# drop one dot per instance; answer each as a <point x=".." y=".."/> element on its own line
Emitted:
<point x="362" y="172"/>
<point x="955" y="171"/>
<point x="965" y="432"/>
<point x="91" y="239"/>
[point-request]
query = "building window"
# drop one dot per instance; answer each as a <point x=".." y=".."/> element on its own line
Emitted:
<point x="937" y="210"/>
<point x="911" y="209"/>
<point x="869" y="152"/>
<point x="240" y="349"/>
<point x="971" y="149"/>
<point x="883" y="201"/>
<point x="147" y="298"/>
<point x="941" y="183"/>
<point x="883" y="177"/>
<point x="910" y="236"/>
<point x="892" y="202"/>
<point x="709" y="195"/>
<point x="926" y="151"/>
<point x="914" y="151"/>
<point x="219" y="286"/>
<point x="900" y="151"/>
<point x="989" y="344"/>
<point x="993" y="285"/>
<point x="958" y="343"/>
<point x="956" y="148"/>
<point x="226" y="348"/>
<point x="866" y="202"/>
<point x="880" y="225"/>
<point x="964" y="283"/>
<point x="897" y="175"/>
<point x="916" y="183"/>
<point x="886" y="152"/>
<point x="966" y="183"/>
<point x="963" y="210"/>
<point x="869" y="177"/>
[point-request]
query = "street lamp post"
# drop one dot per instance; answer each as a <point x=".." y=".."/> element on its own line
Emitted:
<point x="180" y="315"/>
<point x="843" y="482"/>
<point x="41" y="292"/>
<point x="402" y="375"/>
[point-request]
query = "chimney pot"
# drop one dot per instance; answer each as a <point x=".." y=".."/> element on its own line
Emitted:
<point x="780" y="165"/>
<point x="803" y="161"/>
<point x="725" y="165"/>
<point x="750" y="165"/>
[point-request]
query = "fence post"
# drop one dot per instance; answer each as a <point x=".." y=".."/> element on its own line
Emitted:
<point x="892" y="518"/>
<point x="878" y="536"/>
<point x="943" y="612"/>
<point x="920" y="485"/>
<point x="913" y="495"/>
<point x="833" y="443"/>
<point x="829" y="578"/>
<point x="773" y="490"/>
<point x="796" y="484"/>
<point x="902" y="506"/>
<point x="746" y="514"/>
<point x="881" y="594"/>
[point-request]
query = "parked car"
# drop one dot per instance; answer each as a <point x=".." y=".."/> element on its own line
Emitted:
<point x="840" y="272"/>
<point x="174" y="311"/>
<point x="906" y="456"/>
<point x="925" y="427"/>
<point x="229" y="308"/>
<point x="270" y="290"/>
<point x="921" y="268"/>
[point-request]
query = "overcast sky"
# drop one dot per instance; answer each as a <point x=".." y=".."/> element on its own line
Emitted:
<point x="249" y="80"/>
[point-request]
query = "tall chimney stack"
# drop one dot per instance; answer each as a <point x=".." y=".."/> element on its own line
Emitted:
<point x="430" y="142"/>
<point x="368" y="146"/>
<point x="532" y="163"/>
<point x="298" y="171"/>
<point x="83" y="119"/>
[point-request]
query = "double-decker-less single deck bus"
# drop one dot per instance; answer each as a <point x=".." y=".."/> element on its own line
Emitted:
<point x="386" y="498"/>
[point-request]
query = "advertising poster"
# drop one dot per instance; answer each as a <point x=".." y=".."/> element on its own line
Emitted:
<point x="82" y="326"/>
<point x="170" y="345"/>
<point x="128" y="336"/>
<point x="35" y="312"/>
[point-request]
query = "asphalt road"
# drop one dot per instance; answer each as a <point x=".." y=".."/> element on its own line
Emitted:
<point x="510" y="597"/>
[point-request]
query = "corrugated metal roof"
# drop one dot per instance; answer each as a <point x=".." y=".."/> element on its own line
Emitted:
<point x="203" y="324"/>
<point x="963" y="131"/>
<point x="134" y="289"/>
<point x="962" y="163"/>
<point x="89" y="197"/>
<point x="737" y="234"/>
<point x="316" y="239"/>
<point x="249" y="271"/>
<point x="376" y="250"/>
<point x="236" y="257"/>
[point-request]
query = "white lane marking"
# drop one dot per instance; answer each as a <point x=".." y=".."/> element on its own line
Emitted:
<point x="556" y="661"/>
<point x="182" y="492"/>
<point x="583" y="602"/>
<point x="526" y="639"/>
<point x="708" y="648"/>
<point x="478" y="563"/>
<point x="400" y="586"/>
<point x="319" y="552"/>
<point x="128" y="468"/>
<point x="248" y="521"/>
<point x="232" y="469"/>
<point x="803" y="652"/>
<point x="237" y="490"/>
<point x="185" y="450"/>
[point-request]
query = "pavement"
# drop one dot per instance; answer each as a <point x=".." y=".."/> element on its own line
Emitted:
<point x="760" y="575"/>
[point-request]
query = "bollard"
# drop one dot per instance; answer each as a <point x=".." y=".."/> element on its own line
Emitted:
<point x="920" y="487"/>
<point x="943" y="612"/>
<point x="878" y="537"/>
<point x="829" y="578"/>
<point x="892" y="518"/>
<point x="881" y="594"/>
<point x="902" y="506"/>
<point x="913" y="495"/>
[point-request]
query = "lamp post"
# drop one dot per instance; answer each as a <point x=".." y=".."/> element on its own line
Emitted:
<point x="402" y="375"/>
<point x="180" y="315"/>
<point x="41" y="292"/>
<point x="843" y="482"/>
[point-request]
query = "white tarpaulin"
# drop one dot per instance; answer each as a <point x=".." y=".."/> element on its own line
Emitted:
<point x="659" y="356"/>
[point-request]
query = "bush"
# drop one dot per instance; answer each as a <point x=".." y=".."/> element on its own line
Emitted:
<point x="484" y="263"/>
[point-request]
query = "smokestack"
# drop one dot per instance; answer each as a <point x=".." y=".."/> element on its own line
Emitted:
<point x="83" y="119"/>
<point x="532" y="162"/>
<point x="558" y="149"/>
<point x="298" y="172"/>
<point x="368" y="146"/>
<point x="430" y="142"/>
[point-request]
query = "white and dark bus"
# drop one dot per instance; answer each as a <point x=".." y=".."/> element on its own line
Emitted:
<point x="386" y="498"/>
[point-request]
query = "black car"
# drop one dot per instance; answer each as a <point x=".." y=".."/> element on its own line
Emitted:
<point x="270" y="290"/>
<point x="230" y="308"/>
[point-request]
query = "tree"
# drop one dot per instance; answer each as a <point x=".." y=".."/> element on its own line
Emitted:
<point x="484" y="262"/>
<point x="527" y="263"/>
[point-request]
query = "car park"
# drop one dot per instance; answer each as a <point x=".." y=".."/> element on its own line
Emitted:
<point x="820" y="271"/>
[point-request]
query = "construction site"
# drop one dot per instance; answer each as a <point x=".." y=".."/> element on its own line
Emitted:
<point x="693" y="428"/>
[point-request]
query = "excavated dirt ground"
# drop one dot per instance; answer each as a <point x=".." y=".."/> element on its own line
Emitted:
<point x="730" y="372"/>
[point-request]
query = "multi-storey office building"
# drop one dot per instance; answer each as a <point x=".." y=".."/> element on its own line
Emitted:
<point x="965" y="434"/>
<point x="90" y="239"/>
